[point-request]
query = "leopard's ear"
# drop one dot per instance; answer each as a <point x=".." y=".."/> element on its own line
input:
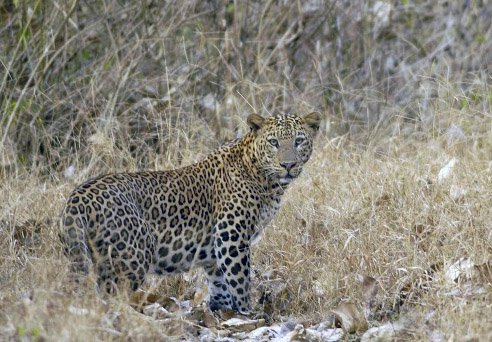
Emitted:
<point x="312" y="120"/>
<point x="255" y="121"/>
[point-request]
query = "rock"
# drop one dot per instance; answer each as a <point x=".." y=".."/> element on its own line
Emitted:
<point x="259" y="334"/>
<point x="78" y="311"/>
<point x="209" y="102"/>
<point x="238" y="324"/>
<point x="69" y="171"/>
<point x="155" y="310"/>
<point x="308" y="334"/>
<point x="462" y="269"/>
<point x="445" y="172"/>
<point x="386" y="332"/>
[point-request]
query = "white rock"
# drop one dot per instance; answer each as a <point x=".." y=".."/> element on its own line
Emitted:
<point x="382" y="10"/>
<point x="155" y="310"/>
<point x="243" y="325"/>
<point x="312" y="6"/>
<point x="237" y="321"/>
<point x="207" y="335"/>
<point x="302" y="334"/>
<point x="386" y="332"/>
<point x="209" y="102"/>
<point x="69" y="171"/>
<point x="328" y="335"/>
<point x="78" y="311"/>
<point x="260" y="334"/>
<point x="462" y="268"/>
<point x="445" y="172"/>
<point x="293" y="335"/>
<point x="318" y="289"/>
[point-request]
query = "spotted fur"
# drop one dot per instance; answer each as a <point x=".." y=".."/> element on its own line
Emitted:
<point x="204" y="215"/>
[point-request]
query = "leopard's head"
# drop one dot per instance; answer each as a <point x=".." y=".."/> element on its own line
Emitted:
<point x="282" y="144"/>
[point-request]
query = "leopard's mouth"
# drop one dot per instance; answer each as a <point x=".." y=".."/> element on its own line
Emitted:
<point x="287" y="179"/>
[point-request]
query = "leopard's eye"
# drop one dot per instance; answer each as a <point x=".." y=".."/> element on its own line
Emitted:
<point x="273" y="142"/>
<point x="299" y="141"/>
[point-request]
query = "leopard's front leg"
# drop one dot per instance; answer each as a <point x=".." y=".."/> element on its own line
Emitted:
<point x="231" y="247"/>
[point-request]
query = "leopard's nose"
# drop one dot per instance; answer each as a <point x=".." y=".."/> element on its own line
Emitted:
<point x="288" y="165"/>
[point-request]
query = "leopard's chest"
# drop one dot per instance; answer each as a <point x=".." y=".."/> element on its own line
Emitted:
<point x="267" y="212"/>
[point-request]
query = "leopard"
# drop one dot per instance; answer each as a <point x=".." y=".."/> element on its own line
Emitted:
<point x="125" y="226"/>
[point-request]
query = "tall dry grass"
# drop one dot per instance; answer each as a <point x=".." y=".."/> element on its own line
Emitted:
<point x="90" y="87"/>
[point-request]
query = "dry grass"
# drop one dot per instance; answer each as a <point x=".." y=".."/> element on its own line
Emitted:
<point x="82" y="92"/>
